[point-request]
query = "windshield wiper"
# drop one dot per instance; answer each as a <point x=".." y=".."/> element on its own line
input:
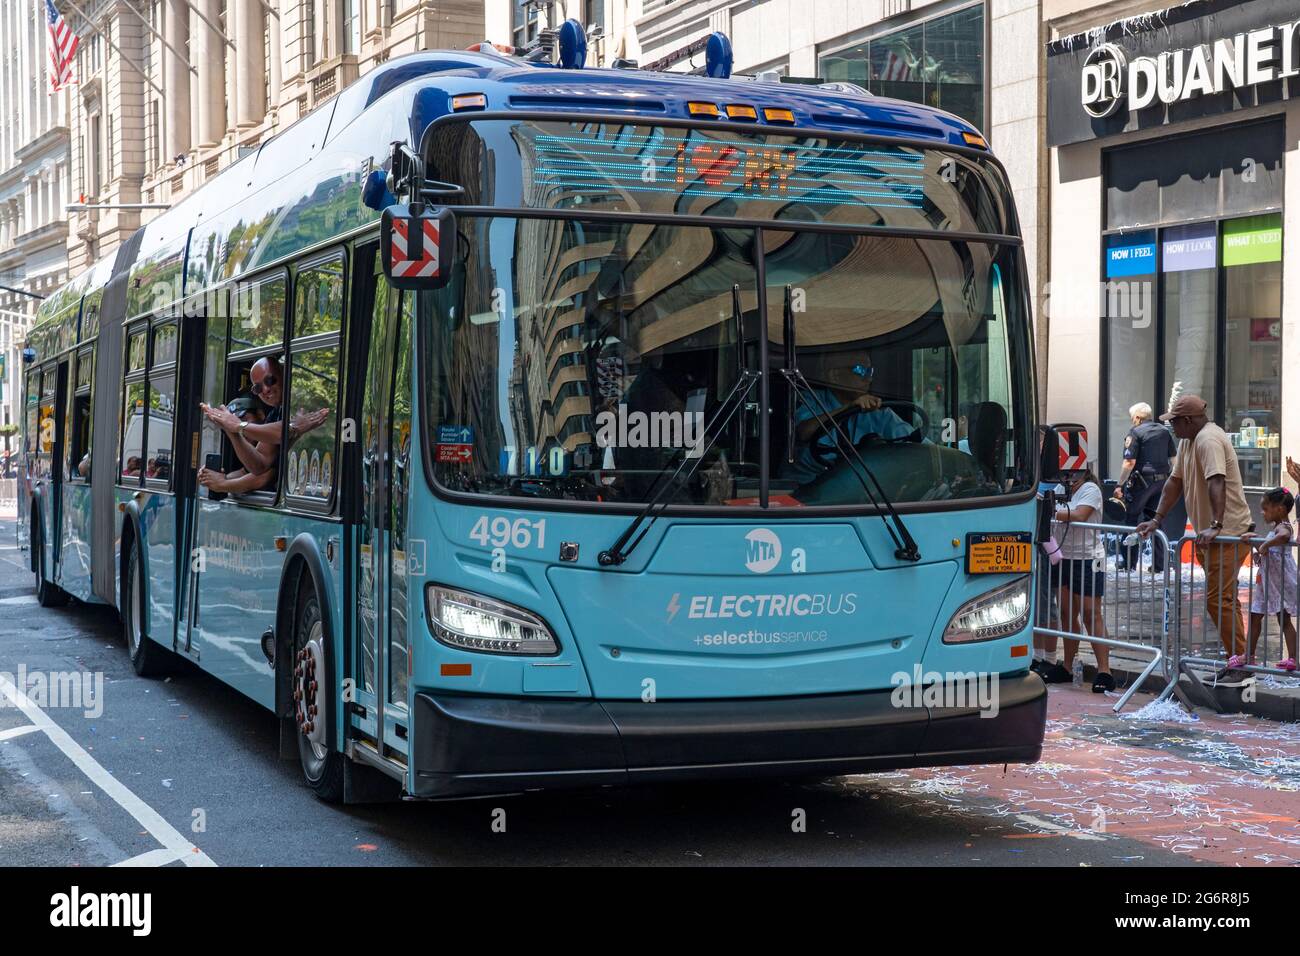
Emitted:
<point x="800" y="390"/>
<point x="695" y="453"/>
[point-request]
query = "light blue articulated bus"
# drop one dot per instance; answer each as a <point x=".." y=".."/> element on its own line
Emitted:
<point x="503" y="425"/>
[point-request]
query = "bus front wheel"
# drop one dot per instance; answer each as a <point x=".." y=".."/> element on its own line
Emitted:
<point x="149" y="658"/>
<point x="313" y="686"/>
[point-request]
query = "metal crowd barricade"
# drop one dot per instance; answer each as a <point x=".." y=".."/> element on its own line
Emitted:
<point x="1088" y="597"/>
<point x="1217" y="586"/>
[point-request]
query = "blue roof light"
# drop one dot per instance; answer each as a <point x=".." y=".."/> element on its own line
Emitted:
<point x="717" y="56"/>
<point x="573" y="45"/>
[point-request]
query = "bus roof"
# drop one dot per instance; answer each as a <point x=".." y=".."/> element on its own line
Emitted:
<point x="302" y="187"/>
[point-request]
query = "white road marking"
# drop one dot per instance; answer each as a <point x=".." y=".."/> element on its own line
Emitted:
<point x="21" y="599"/>
<point x="13" y="732"/>
<point x="145" y="815"/>
<point x="153" y="858"/>
<point x="1057" y="828"/>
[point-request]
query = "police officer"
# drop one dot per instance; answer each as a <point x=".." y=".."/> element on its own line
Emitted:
<point x="1148" y="449"/>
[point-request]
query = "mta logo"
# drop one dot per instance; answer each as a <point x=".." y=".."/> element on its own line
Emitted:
<point x="762" y="550"/>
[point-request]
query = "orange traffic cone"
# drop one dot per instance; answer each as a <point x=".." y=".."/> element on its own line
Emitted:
<point x="1187" y="553"/>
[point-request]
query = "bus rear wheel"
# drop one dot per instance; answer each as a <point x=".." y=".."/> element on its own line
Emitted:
<point x="48" y="594"/>
<point x="313" y="684"/>
<point x="149" y="658"/>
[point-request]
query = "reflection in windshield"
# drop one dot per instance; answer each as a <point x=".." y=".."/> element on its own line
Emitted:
<point x="580" y="360"/>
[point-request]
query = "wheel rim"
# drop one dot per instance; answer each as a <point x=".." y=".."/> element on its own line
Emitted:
<point x="134" y="611"/>
<point x="309" y="692"/>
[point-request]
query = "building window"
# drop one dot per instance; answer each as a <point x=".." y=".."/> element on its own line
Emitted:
<point x="593" y="15"/>
<point x="307" y="31"/>
<point x="154" y="147"/>
<point x="939" y="62"/>
<point x="350" y="18"/>
<point x="94" y="151"/>
<point x="1191" y="298"/>
<point x="523" y="22"/>
<point x="112" y="153"/>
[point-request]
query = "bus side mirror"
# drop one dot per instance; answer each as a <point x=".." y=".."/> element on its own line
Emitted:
<point x="418" y="246"/>
<point x="1065" y="448"/>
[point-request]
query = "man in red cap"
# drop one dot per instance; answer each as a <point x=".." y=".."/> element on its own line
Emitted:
<point x="1207" y="476"/>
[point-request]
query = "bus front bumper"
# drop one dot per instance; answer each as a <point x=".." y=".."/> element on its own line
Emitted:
<point x="466" y="745"/>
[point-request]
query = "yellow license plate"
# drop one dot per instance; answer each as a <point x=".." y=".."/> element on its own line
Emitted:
<point x="1002" y="553"/>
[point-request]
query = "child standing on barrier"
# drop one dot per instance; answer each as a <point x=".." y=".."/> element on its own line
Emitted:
<point x="1080" y="577"/>
<point x="1275" y="578"/>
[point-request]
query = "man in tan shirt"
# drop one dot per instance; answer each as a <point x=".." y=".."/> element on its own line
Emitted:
<point x="1207" y="476"/>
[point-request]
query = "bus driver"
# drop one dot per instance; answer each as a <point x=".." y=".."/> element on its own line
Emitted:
<point x="840" y="385"/>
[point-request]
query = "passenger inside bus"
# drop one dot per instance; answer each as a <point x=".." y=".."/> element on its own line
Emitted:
<point x="256" y="444"/>
<point x="240" y="481"/>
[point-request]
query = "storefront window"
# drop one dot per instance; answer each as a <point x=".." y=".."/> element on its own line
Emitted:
<point x="1128" y="310"/>
<point x="1252" y="354"/>
<point x="1189" y="264"/>
<point x="939" y="63"/>
<point x="1196" y="307"/>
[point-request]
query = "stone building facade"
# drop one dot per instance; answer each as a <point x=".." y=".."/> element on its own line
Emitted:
<point x="35" y="186"/>
<point x="173" y="91"/>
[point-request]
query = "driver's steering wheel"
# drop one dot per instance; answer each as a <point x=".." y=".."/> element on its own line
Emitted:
<point x="830" y="454"/>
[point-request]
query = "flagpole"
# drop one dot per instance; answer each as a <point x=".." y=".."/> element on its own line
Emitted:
<point x="215" y="29"/>
<point x="113" y="46"/>
<point x="149" y="26"/>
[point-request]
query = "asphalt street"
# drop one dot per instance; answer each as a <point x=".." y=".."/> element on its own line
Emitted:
<point x="184" y="771"/>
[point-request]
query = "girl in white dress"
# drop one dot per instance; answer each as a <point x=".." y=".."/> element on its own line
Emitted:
<point x="1275" y="577"/>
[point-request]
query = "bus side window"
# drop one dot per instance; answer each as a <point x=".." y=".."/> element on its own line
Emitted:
<point x="32" y="438"/>
<point x="45" y="438"/>
<point x="78" y="464"/>
<point x="162" y="404"/>
<point x="134" y="420"/>
<point x="311" y="403"/>
<point x="256" y="334"/>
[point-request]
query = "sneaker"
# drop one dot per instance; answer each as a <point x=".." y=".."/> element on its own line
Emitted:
<point x="1236" y="662"/>
<point x="1287" y="665"/>
<point x="1102" y="683"/>
<point x="1037" y="665"/>
<point x="1054" y="673"/>
<point x="1232" y="677"/>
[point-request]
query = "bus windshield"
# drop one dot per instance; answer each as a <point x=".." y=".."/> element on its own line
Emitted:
<point x="579" y="360"/>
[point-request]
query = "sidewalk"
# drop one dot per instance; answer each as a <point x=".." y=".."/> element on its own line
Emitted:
<point x="1276" y="698"/>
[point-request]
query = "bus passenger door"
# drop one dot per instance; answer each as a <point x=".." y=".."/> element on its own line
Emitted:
<point x="372" y="548"/>
<point x="200" y="362"/>
<point x="382" y="660"/>
<point x="55" y="470"/>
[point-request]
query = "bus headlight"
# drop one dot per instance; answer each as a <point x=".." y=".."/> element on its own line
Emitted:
<point x="473" y="622"/>
<point x="998" y="613"/>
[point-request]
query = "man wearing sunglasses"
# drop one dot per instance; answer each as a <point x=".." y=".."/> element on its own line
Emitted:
<point x="843" y="388"/>
<point x="1206" y="475"/>
<point x="257" y="444"/>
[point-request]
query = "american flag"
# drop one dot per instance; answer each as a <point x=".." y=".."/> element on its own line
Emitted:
<point x="63" y="47"/>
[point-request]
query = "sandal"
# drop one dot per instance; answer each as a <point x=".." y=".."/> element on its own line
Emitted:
<point x="1102" y="683"/>
<point x="1236" y="662"/>
<point x="1287" y="665"/>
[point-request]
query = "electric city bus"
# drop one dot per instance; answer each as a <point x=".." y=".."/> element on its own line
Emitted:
<point x="710" y="428"/>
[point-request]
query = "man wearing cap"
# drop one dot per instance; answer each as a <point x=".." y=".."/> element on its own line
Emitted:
<point x="1207" y="477"/>
<point x="843" y="390"/>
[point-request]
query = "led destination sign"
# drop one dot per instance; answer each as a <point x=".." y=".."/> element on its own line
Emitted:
<point x="641" y="167"/>
<point x="689" y="166"/>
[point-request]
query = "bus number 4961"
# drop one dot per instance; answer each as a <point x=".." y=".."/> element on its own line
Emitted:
<point x="502" y="531"/>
